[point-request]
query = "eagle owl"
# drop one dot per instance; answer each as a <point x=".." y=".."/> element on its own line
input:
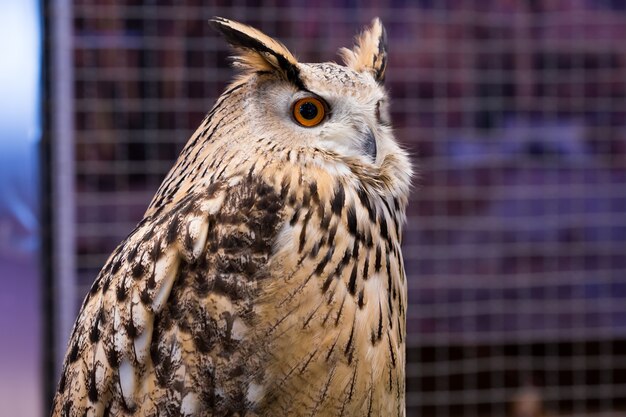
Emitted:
<point x="266" y="277"/>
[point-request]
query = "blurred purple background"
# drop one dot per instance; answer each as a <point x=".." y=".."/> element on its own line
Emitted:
<point x="20" y="274"/>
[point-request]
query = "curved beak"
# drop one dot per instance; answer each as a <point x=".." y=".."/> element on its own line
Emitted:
<point x="369" y="144"/>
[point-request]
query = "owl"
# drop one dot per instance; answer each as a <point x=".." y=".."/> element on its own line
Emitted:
<point x="266" y="277"/>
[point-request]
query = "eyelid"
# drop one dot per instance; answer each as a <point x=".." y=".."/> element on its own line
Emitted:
<point x="310" y="94"/>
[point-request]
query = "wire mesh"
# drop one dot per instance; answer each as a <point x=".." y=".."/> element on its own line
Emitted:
<point x="515" y="113"/>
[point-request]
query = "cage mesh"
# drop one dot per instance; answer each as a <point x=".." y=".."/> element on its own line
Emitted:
<point x="514" y="112"/>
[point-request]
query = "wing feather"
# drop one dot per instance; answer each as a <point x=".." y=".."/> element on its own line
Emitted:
<point x="160" y="330"/>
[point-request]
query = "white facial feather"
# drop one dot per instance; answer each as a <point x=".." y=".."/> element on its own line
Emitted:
<point x="352" y="99"/>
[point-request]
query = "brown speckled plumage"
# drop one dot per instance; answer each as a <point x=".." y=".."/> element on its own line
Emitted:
<point x="266" y="278"/>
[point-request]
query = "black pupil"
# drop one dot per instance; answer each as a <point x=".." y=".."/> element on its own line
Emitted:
<point x="308" y="110"/>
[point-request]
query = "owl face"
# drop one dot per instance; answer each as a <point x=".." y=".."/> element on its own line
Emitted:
<point x="341" y="111"/>
<point x="337" y="112"/>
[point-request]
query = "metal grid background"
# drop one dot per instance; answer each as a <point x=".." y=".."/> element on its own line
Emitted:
<point x="515" y="112"/>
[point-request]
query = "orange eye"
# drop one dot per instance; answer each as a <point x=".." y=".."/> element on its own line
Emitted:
<point x="309" y="111"/>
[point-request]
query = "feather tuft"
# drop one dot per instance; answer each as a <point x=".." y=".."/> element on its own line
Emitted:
<point x="370" y="51"/>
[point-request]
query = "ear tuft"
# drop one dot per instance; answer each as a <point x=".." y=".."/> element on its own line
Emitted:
<point x="257" y="51"/>
<point x="369" y="54"/>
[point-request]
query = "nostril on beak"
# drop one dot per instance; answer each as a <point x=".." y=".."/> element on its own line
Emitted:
<point x="369" y="144"/>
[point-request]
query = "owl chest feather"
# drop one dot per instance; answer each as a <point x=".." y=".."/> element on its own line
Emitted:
<point x="333" y="313"/>
<point x="267" y="293"/>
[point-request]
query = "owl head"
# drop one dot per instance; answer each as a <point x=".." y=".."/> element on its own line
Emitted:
<point x="339" y="113"/>
<point x="282" y="112"/>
